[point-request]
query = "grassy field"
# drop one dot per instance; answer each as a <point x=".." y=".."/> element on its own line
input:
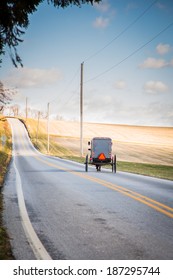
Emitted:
<point x="5" y="156"/>
<point x="130" y="143"/>
<point x="140" y="150"/>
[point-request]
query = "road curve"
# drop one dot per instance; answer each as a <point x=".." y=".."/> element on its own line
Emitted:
<point x="55" y="210"/>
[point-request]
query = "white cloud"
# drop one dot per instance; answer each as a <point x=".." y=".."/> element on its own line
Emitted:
<point x="155" y="87"/>
<point x="151" y="62"/>
<point x="120" y="84"/>
<point x="103" y="6"/>
<point x="101" y="22"/>
<point x="163" y="48"/>
<point x="33" y="77"/>
<point x="131" y="6"/>
<point x="160" y="6"/>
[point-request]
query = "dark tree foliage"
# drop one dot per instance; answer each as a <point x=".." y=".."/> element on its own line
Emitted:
<point x="14" y="20"/>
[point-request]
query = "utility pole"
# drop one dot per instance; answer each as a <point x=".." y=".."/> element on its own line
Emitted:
<point x="26" y="108"/>
<point x="81" y="111"/>
<point x="38" y="121"/>
<point x="48" y="128"/>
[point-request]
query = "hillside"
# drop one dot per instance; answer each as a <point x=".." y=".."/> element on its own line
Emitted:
<point x="130" y="143"/>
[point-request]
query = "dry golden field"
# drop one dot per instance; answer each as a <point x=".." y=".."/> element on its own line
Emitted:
<point x="130" y="143"/>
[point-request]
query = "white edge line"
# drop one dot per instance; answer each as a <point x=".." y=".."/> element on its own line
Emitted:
<point x="35" y="243"/>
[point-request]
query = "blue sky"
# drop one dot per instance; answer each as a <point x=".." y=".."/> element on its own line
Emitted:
<point x="127" y="50"/>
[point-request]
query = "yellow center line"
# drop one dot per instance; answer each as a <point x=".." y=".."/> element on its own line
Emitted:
<point x="134" y="193"/>
<point x="162" y="208"/>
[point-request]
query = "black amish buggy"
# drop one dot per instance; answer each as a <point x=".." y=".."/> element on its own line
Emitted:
<point x="100" y="153"/>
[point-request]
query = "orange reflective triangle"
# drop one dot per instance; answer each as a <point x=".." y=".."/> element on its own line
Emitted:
<point x="101" y="156"/>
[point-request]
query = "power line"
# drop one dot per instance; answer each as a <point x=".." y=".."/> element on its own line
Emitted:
<point x="130" y="55"/>
<point x="122" y="32"/>
<point x="71" y="97"/>
<point x="117" y="64"/>
<point x="69" y="83"/>
<point x="99" y="51"/>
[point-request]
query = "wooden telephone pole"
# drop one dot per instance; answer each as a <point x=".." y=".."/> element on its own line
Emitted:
<point x="48" y="142"/>
<point x="81" y="111"/>
<point x="38" y="122"/>
<point x="26" y="109"/>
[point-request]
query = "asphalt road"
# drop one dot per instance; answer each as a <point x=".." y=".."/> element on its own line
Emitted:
<point x="55" y="210"/>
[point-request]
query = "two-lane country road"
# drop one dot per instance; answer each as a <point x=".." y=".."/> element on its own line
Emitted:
<point x="55" y="210"/>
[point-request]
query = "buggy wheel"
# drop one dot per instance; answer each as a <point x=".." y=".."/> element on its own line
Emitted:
<point x="112" y="164"/>
<point x="115" y="163"/>
<point x="98" y="167"/>
<point x="86" y="163"/>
